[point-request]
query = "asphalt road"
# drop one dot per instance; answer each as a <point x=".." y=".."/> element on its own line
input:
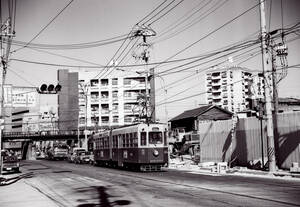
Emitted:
<point x="68" y="184"/>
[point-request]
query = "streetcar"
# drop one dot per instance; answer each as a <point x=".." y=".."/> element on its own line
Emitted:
<point x="140" y="147"/>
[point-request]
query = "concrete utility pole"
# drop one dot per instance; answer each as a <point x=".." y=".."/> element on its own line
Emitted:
<point x="85" y="88"/>
<point x="267" y="68"/>
<point x="146" y="32"/>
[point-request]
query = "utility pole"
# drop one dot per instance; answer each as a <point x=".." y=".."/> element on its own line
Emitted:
<point x="6" y="34"/>
<point x="267" y="68"/>
<point x="84" y="88"/>
<point x="145" y="32"/>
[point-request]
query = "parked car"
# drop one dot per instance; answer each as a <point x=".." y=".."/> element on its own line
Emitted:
<point x="40" y="155"/>
<point x="74" y="154"/>
<point x="10" y="161"/>
<point x="82" y="157"/>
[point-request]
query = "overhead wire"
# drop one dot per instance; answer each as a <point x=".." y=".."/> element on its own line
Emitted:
<point x="52" y="20"/>
<point x="158" y="12"/>
<point x="183" y="18"/>
<point x="212" y="32"/>
<point x="152" y="11"/>
<point x="193" y="22"/>
<point x="165" y="13"/>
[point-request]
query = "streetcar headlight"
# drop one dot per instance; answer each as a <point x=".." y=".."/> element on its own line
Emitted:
<point x="155" y="153"/>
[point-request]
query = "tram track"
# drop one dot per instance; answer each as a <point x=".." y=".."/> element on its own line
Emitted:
<point x="131" y="178"/>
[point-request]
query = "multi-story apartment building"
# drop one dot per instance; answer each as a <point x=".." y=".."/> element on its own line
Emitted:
<point x="111" y="100"/>
<point x="232" y="87"/>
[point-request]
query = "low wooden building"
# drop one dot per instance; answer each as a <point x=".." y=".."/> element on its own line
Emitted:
<point x="189" y="120"/>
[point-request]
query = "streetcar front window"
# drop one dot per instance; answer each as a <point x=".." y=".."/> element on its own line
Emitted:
<point x="155" y="138"/>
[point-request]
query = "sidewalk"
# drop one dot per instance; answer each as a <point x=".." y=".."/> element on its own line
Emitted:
<point x="187" y="165"/>
<point x="17" y="192"/>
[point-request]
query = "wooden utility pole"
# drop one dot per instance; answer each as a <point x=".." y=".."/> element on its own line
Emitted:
<point x="267" y="68"/>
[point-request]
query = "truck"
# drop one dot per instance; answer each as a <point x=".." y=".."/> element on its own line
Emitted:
<point x="59" y="151"/>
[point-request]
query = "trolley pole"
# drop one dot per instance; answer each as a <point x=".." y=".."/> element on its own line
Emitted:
<point x="267" y="68"/>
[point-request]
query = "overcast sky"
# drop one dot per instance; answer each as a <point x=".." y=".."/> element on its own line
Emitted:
<point x="93" y="20"/>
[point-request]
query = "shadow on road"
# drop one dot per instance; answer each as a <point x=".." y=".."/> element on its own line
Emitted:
<point x="102" y="198"/>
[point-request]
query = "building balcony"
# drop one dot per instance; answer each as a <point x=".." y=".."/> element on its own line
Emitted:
<point x="104" y="123"/>
<point x="95" y="113"/>
<point x="81" y="100"/>
<point x="218" y="77"/>
<point x="94" y="87"/>
<point x="104" y="87"/>
<point x="95" y="100"/>
<point x="104" y="112"/>
<point x="135" y="86"/>
<point x="115" y="111"/>
<point x="218" y="83"/>
<point x="104" y="100"/>
<point x="217" y="97"/>
<point x="131" y="98"/>
<point x="216" y="90"/>
<point x="115" y="98"/>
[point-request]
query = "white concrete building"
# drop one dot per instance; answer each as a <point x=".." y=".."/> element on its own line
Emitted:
<point x="109" y="100"/>
<point x="232" y="87"/>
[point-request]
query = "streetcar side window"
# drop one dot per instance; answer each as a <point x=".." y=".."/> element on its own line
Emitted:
<point x="127" y="140"/>
<point x="123" y="140"/>
<point x="155" y="138"/>
<point x="130" y="140"/>
<point x="165" y="138"/>
<point x="135" y="139"/>
<point x="143" y="138"/>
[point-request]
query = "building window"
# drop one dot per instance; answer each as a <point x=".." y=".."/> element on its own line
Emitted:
<point x="104" y="82"/>
<point x="115" y="94"/>
<point x="127" y="81"/>
<point x="115" y="119"/>
<point x="94" y="82"/>
<point x="127" y="107"/>
<point x="115" y="81"/>
<point x="127" y="94"/>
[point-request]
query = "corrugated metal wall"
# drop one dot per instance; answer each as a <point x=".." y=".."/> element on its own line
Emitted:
<point x="289" y="139"/>
<point x="219" y="142"/>
<point x="215" y="141"/>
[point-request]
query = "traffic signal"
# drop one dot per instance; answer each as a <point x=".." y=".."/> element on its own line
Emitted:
<point x="49" y="89"/>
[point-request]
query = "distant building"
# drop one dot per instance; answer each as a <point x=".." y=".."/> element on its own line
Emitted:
<point x="288" y="104"/>
<point x="25" y="109"/>
<point x="68" y="100"/>
<point x="232" y="87"/>
<point x="112" y="100"/>
<point x="189" y="120"/>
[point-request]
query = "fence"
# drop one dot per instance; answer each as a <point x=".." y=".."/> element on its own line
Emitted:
<point x="246" y="141"/>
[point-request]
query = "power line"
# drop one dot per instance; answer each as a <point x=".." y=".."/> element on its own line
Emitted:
<point x="212" y="32"/>
<point x="152" y="11"/>
<point x="159" y="12"/>
<point x="71" y="46"/>
<point x="183" y="18"/>
<point x="193" y="22"/>
<point x="44" y="27"/>
<point x="165" y="13"/>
